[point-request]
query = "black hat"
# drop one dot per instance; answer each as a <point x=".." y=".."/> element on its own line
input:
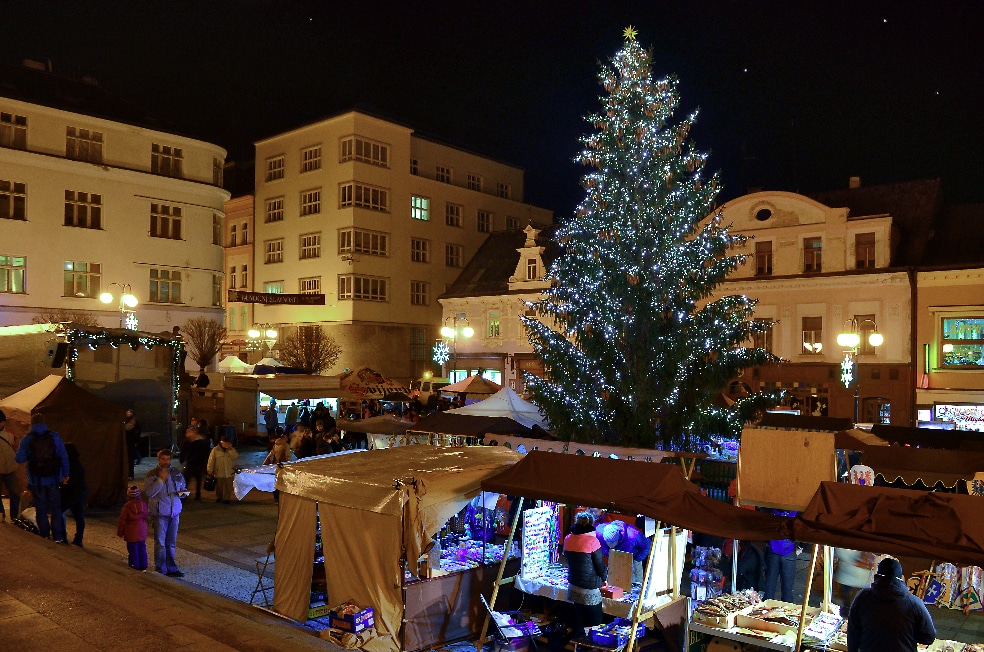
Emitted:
<point x="890" y="567"/>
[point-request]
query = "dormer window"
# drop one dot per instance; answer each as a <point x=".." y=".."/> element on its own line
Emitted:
<point x="531" y="267"/>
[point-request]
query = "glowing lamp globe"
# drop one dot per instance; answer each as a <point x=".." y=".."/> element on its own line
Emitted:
<point x="447" y="332"/>
<point x="876" y="339"/>
<point x="106" y="297"/>
<point x="129" y="300"/>
<point x="848" y="340"/>
<point x="467" y="331"/>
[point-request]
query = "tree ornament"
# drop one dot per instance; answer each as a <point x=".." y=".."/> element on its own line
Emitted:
<point x="632" y="278"/>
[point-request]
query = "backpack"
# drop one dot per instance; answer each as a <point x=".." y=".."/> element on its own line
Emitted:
<point x="43" y="461"/>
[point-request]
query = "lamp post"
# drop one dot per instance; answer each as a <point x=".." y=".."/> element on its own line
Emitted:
<point x="453" y="333"/>
<point x="258" y="336"/>
<point x="850" y="340"/>
<point x="128" y="318"/>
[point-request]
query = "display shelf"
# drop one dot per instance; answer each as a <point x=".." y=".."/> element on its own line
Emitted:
<point x="694" y="642"/>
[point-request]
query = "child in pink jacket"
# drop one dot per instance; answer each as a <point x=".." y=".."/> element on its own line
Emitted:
<point x="133" y="528"/>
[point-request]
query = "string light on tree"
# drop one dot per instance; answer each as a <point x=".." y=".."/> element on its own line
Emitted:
<point x="635" y="351"/>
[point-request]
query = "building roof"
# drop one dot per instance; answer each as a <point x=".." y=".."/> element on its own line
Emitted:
<point x="488" y="272"/>
<point x="33" y="83"/>
<point x="959" y="237"/>
<point x="913" y="205"/>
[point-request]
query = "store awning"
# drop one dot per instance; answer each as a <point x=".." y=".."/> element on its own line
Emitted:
<point x="895" y="521"/>
<point x="658" y="491"/>
<point x="927" y="464"/>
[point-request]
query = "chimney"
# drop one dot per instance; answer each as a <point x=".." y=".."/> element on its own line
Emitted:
<point x="854" y="182"/>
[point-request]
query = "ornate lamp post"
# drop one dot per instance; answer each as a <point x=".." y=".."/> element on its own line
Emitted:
<point x="451" y="331"/>
<point x="258" y="336"/>
<point x="850" y="340"/>
<point x="128" y="318"/>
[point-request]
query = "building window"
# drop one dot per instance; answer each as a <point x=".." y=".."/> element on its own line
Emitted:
<point x="165" y="286"/>
<point x="218" y="166"/>
<point x="443" y="173"/>
<point x="232" y="235"/>
<point x="363" y="196"/>
<point x="82" y="279"/>
<point x="763" y="258"/>
<point x="495" y="324"/>
<point x="273" y="287"/>
<point x="244" y="282"/>
<point x="363" y="288"/>
<point x="233" y="277"/>
<point x="245" y="234"/>
<point x="309" y="285"/>
<point x="354" y="148"/>
<point x="420" y="208"/>
<point x="216" y="290"/>
<point x="13" y="274"/>
<point x="13" y="130"/>
<point x="83" y="145"/>
<point x="13" y="200"/>
<point x="83" y="209"/>
<point x="310" y="202"/>
<point x="812" y="336"/>
<point x="419" y="250"/>
<point x="165" y="221"/>
<point x="274" y="251"/>
<point x="864" y="250"/>
<point x="475" y="182"/>
<point x="310" y="245"/>
<point x="452" y="214"/>
<point x="963" y="342"/>
<point x="485" y="221"/>
<point x="866" y="326"/>
<point x="419" y="350"/>
<point x="216" y="229"/>
<point x="812" y="255"/>
<point x="763" y="339"/>
<point x="275" y="210"/>
<point x="531" y="269"/>
<point x="275" y="168"/>
<point x="414" y="167"/>
<point x="418" y="293"/>
<point x="453" y="255"/>
<point x="512" y="222"/>
<point x="166" y="160"/>
<point x="503" y="190"/>
<point x="357" y="241"/>
<point x="311" y="159"/>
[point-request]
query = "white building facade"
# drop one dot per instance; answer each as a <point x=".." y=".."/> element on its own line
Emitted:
<point x="93" y="204"/>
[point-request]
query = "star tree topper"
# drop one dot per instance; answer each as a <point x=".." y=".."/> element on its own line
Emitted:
<point x="630" y="33"/>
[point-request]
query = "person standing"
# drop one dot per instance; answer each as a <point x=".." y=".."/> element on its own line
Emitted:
<point x="165" y="487"/>
<point x="132" y="428"/>
<point x="202" y="381"/>
<point x="75" y="493"/>
<point x="221" y="468"/>
<point x="853" y="571"/>
<point x="290" y="418"/>
<point x="619" y="535"/>
<point x="194" y="456"/>
<point x="8" y="470"/>
<point x="322" y="440"/>
<point x="133" y="528"/>
<point x="780" y="565"/>
<point x="888" y="617"/>
<point x="279" y="454"/>
<point x="586" y="573"/>
<point x="47" y="469"/>
<point x="271" y="420"/>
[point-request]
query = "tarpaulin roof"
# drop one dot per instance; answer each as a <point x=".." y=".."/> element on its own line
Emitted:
<point x="926" y="464"/>
<point x="656" y="490"/>
<point x="506" y="403"/>
<point x="895" y="521"/>
<point x="472" y="385"/>
<point x="469" y="425"/>
<point x="857" y="440"/>
<point x="385" y="424"/>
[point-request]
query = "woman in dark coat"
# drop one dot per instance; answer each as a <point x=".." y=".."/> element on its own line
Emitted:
<point x="75" y="493"/>
<point x="586" y="572"/>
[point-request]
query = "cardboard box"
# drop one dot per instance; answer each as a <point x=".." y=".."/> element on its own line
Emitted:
<point x="613" y="592"/>
<point x="749" y="622"/>
<point x="352" y="622"/>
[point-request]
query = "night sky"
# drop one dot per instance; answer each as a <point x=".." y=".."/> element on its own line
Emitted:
<point x="793" y="95"/>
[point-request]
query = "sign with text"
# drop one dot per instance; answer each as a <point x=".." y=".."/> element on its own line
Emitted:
<point x="272" y="298"/>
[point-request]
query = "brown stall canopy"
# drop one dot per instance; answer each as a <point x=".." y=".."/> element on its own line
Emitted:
<point x="926" y="437"/>
<point x="927" y="464"/>
<point x="469" y="426"/>
<point x="856" y="440"/>
<point x="656" y="490"/>
<point x="895" y="521"/>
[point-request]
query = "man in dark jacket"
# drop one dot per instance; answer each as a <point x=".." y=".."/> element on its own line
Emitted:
<point x="45" y="476"/>
<point x="888" y="617"/>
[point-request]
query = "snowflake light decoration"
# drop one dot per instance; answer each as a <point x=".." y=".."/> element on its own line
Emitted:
<point x="847" y="370"/>
<point x="442" y="353"/>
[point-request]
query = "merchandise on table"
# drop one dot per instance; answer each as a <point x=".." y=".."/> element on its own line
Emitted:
<point x="706" y="579"/>
<point x="721" y="611"/>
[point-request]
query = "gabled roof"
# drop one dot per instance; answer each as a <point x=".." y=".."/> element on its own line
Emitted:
<point x="959" y="237"/>
<point x="913" y="206"/>
<point x="488" y="272"/>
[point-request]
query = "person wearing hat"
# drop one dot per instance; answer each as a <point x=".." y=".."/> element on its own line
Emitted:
<point x="8" y="471"/>
<point x="619" y="535"/>
<point x="888" y="617"/>
<point x="133" y="528"/>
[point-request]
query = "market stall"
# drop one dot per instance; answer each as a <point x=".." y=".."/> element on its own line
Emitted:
<point x="931" y="467"/>
<point x="379" y="512"/>
<point x="248" y="395"/>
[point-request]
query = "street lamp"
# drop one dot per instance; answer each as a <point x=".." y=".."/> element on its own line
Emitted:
<point x="850" y="340"/>
<point x="453" y="333"/>
<point x="260" y="336"/>
<point x="128" y="318"/>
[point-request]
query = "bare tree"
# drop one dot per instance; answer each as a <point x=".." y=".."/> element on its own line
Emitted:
<point x="310" y="348"/>
<point x="60" y="315"/>
<point x="204" y="337"/>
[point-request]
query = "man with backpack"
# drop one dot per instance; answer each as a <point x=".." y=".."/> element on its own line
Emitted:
<point x="47" y="469"/>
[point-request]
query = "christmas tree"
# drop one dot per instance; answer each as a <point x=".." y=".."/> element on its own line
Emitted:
<point x="634" y="347"/>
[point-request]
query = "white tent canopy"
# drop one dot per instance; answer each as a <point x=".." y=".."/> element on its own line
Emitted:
<point x="232" y="364"/>
<point x="506" y="403"/>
